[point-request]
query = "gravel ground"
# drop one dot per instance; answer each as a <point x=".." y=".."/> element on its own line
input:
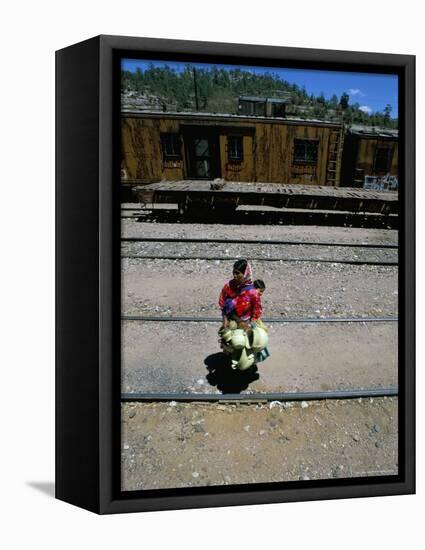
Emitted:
<point x="195" y="444"/>
<point x="175" y="287"/>
<point x="304" y="357"/>
<point x="131" y="228"/>
<point x="171" y="445"/>
<point x="273" y="251"/>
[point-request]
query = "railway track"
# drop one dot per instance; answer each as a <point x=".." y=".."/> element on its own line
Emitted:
<point x="304" y="359"/>
<point x="338" y="362"/>
<point x="165" y="319"/>
<point x="258" y="241"/>
<point x="260" y="397"/>
<point x="163" y="378"/>
<point x="260" y="258"/>
<point x="151" y="248"/>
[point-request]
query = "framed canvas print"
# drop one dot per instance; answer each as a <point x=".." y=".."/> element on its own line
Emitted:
<point x="235" y="274"/>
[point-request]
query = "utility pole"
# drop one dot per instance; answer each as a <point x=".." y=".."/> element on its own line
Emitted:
<point x="196" y="89"/>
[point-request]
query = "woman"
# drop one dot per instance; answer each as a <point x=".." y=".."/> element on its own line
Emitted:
<point x="239" y="300"/>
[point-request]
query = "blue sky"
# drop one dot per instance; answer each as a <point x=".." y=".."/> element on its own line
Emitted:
<point x="371" y="91"/>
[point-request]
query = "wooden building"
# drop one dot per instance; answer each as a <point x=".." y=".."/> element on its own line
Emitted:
<point x="160" y="146"/>
<point x="370" y="155"/>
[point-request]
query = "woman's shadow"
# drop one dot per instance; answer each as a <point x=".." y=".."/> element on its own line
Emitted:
<point x="226" y="379"/>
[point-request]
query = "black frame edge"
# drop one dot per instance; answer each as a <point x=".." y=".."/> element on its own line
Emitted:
<point x="77" y="282"/>
<point x="300" y="494"/>
<point x="408" y="277"/>
<point x="254" y="51"/>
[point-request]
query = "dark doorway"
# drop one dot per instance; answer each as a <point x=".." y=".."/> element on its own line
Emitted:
<point x="202" y="154"/>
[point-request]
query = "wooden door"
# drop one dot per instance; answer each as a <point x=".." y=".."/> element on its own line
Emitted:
<point x="203" y="160"/>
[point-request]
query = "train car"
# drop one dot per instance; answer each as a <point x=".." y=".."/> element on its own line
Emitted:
<point x="165" y="146"/>
<point x="370" y="158"/>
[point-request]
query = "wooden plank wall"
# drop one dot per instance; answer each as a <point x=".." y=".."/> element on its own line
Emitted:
<point x="142" y="159"/>
<point x="274" y="153"/>
<point x="268" y="152"/>
<point x="237" y="171"/>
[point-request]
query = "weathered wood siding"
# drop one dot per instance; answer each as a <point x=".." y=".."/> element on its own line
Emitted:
<point x="274" y="154"/>
<point x="142" y="159"/>
<point x="268" y="150"/>
<point x="366" y="156"/>
<point x="237" y="171"/>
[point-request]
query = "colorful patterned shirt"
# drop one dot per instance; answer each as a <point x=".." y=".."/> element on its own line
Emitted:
<point x="246" y="301"/>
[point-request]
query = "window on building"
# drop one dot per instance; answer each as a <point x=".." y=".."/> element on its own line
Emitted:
<point x="305" y="151"/>
<point x="278" y="109"/>
<point x="252" y="108"/>
<point x="381" y="162"/>
<point x="235" y="148"/>
<point x="171" y="146"/>
<point x="259" y="108"/>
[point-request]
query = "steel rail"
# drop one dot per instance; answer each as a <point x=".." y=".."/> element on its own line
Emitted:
<point x="254" y="241"/>
<point x="261" y="397"/>
<point x="259" y="259"/>
<point x="165" y="319"/>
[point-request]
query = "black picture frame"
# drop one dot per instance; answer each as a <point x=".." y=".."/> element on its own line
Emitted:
<point x="88" y="275"/>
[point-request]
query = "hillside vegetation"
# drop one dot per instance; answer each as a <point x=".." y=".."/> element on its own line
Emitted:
<point x="218" y="90"/>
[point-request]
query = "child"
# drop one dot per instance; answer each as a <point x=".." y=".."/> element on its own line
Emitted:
<point x="260" y="287"/>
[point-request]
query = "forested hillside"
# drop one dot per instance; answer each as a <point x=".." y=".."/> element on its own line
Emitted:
<point x="216" y="90"/>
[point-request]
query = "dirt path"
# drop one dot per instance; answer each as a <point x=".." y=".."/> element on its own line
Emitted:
<point x="165" y="287"/>
<point x="180" y="445"/>
<point x="320" y="253"/>
<point x="185" y="357"/>
<point x="131" y="228"/>
<point x="192" y="444"/>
